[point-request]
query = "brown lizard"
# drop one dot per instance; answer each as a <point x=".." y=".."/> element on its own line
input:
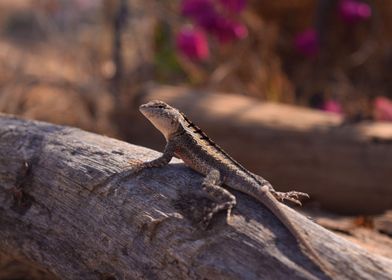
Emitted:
<point x="186" y="141"/>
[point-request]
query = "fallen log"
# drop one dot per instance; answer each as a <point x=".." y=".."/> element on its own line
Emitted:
<point x="344" y="167"/>
<point x="65" y="209"/>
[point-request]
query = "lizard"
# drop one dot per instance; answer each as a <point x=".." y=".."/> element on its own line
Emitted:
<point x="188" y="142"/>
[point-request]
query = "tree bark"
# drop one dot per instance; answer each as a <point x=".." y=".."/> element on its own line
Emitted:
<point x="69" y="212"/>
<point x="344" y="167"/>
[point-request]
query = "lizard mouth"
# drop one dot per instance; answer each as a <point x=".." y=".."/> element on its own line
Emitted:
<point x="143" y="109"/>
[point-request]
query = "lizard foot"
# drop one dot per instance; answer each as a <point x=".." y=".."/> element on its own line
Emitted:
<point x="292" y="196"/>
<point x="210" y="212"/>
<point x="223" y="198"/>
<point x="113" y="181"/>
<point x="137" y="168"/>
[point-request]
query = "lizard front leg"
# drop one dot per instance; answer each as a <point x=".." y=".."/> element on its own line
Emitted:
<point x="163" y="160"/>
<point x="223" y="198"/>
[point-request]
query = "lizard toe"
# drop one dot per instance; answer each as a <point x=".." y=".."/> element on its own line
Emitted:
<point x="292" y="196"/>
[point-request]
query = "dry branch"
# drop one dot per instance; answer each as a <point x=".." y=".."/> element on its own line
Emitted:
<point x="69" y="214"/>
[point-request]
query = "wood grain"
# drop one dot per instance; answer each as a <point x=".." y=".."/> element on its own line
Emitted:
<point x="78" y="220"/>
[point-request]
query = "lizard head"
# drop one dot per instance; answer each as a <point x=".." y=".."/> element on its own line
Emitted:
<point x="164" y="117"/>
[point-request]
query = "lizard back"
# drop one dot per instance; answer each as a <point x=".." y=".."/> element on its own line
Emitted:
<point x="199" y="152"/>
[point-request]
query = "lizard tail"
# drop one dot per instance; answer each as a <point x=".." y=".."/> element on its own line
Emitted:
<point x="272" y="204"/>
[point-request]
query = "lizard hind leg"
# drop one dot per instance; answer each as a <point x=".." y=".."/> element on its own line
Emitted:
<point x="223" y="198"/>
<point x="292" y="196"/>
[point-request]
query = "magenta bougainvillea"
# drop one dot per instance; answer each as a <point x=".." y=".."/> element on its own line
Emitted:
<point x="235" y="6"/>
<point x="383" y="109"/>
<point x="218" y="18"/>
<point x="193" y="43"/>
<point x="353" y="11"/>
<point x="332" y="106"/>
<point x="307" y="43"/>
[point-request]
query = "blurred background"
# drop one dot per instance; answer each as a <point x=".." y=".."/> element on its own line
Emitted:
<point x="298" y="91"/>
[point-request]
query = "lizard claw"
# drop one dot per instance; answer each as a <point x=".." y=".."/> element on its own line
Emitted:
<point x="292" y="196"/>
<point x="210" y="212"/>
<point x="297" y="195"/>
<point x="206" y="220"/>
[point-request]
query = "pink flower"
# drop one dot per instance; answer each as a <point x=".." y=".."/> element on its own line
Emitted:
<point x="202" y="12"/>
<point x="307" y="43"/>
<point x="383" y="109"/>
<point x="192" y="43"/>
<point x="352" y="11"/>
<point x="209" y="20"/>
<point x="234" y="6"/>
<point x="227" y="30"/>
<point x="205" y="15"/>
<point x="195" y="8"/>
<point x="332" y="106"/>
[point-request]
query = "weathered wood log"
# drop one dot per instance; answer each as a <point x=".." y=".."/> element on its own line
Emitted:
<point x="345" y="167"/>
<point x="70" y="214"/>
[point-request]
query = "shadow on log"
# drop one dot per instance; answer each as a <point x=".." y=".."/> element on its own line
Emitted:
<point x="67" y="213"/>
